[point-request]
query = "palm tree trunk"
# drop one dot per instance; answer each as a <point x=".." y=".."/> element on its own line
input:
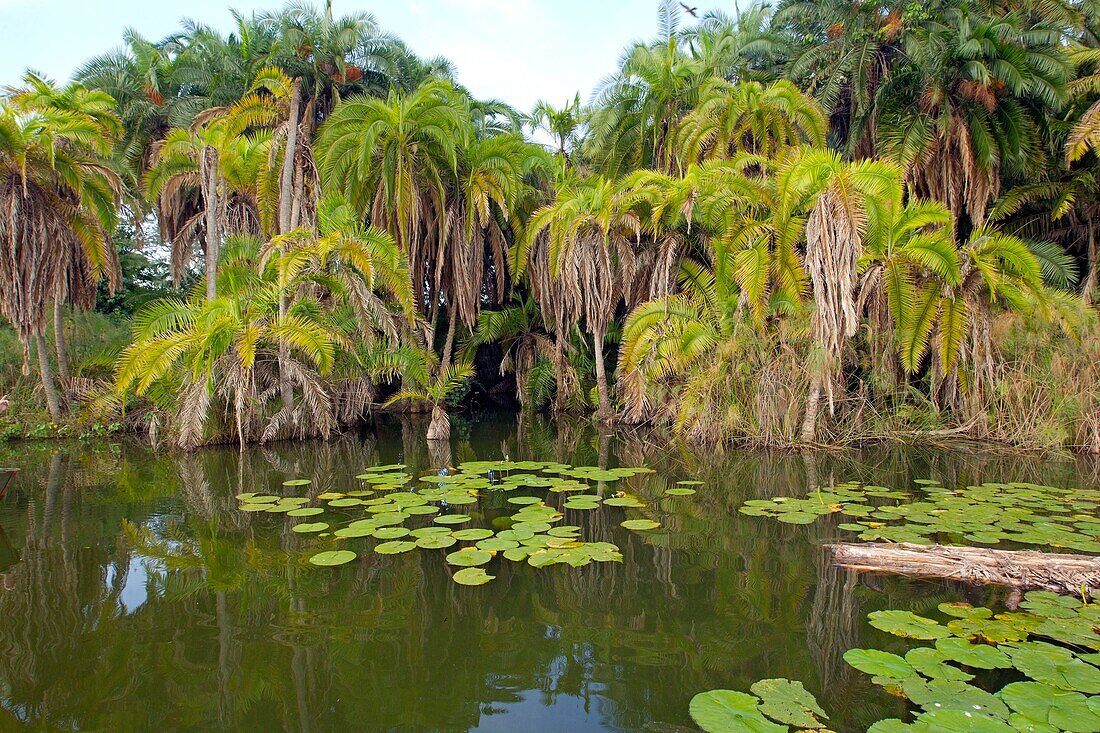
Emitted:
<point x="448" y="345"/>
<point x="1088" y="292"/>
<point x="813" y="407"/>
<point x="604" y="412"/>
<point x="286" y="179"/>
<point x="60" y="341"/>
<point x="211" y="204"/>
<point x="286" y="223"/>
<point x="440" y="428"/>
<point x="49" y="387"/>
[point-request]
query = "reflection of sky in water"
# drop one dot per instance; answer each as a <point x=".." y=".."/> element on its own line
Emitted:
<point x="529" y="714"/>
<point x="135" y="589"/>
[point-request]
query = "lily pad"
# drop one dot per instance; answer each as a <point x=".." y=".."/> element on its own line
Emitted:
<point x="395" y="547"/>
<point x="472" y="576"/>
<point x="907" y="624"/>
<point x="333" y="557"/>
<point x="307" y="527"/>
<point x="727" y="711"/>
<point x="789" y="702"/>
<point x="469" y="557"/>
<point x="641" y="525"/>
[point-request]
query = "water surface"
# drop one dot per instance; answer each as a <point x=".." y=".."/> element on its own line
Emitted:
<point x="134" y="596"/>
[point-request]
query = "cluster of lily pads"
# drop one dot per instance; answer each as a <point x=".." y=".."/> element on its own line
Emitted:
<point x="991" y="513"/>
<point x="405" y="513"/>
<point x="1047" y="651"/>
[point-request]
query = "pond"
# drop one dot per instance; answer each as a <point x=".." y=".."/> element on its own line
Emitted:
<point x="136" y="596"/>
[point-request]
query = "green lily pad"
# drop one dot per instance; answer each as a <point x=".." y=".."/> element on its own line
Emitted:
<point x="472" y="576"/>
<point x="1061" y="709"/>
<point x="307" y="527"/>
<point x="390" y="533"/>
<point x="469" y="557"/>
<point x="641" y="525"/>
<point x="395" y="547"/>
<point x="452" y="519"/>
<point x="435" y="542"/>
<point x="475" y="534"/>
<point x="727" y="711"/>
<point x="333" y="557"/>
<point x="297" y="482"/>
<point x="980" y="656"/>
<point x="907" y="624"/>
<point x="878" y="663"/>
<point x="679" y="492"/>
<point x="306" y="511"/>
<point x="789" y="702"/>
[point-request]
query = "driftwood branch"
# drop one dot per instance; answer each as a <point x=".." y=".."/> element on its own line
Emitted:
<point x="1024" y="570"/>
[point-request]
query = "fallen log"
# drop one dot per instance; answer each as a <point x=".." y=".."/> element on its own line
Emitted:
<point x="1020" y="569"/>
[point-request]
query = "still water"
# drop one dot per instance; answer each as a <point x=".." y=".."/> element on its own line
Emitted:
<point x="135" y="596"/>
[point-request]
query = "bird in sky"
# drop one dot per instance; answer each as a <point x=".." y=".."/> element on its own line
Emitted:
<point x="690" y="10"/>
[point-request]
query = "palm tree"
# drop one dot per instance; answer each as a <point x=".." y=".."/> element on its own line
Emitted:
<point x="60" y="194"/>
<point x="635" y="111"/>
<point x="749" y="117"/>
<point x="581" y="261"/>
<point x="200" y="349"/>
<point x="979" y="81"/>
<point x="562" y="125"/>
<point x="393" y="160"/>
<point x="225" y="157"/>
<point x="436" y="390"/>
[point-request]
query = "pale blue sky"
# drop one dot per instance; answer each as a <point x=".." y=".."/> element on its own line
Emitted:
<point x="515" y="50"/>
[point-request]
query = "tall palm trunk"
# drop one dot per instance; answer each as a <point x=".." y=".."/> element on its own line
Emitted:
<point x="448" y="345"/>
<point x="61" y="342"/>
<point x="49" y="387"/>
<point x="1088" y="293"/>
<point x="286" y="223"/>
<point x="813" y="407"/>
<point x="604" y="412"/>
<point x="209" y="174"/>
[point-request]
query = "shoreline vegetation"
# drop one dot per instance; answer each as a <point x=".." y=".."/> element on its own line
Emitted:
<point x="813" y="224"/>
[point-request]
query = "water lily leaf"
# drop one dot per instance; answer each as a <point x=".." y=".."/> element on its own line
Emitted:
<point x="727" y="711"/>
<point x="353" y="532"/>
<point x="472" y="576"/>
<point x="390" y="533"/>
<point x="518" y="554"/>
<point x="1055" y="666"/>
<point x="679" y="492"/>
<point x="435" y="542"/>
<point x="992" y="630"/>
<point x="640" y="525"/>
<point x="346" y="502"/>
<point x="890" y="725"/>
<point x="255" y="507"/>
<point x="395" y="547"/>
<point x="690" y="482"/>
<point x="519" y="535"/>
<point x="797" y="517"/>
<point x="623" y="501"/>
<point x="964" y="610"/>
<point x="330" y="495"/>
<point x="878" y="663"/>
<point x="959" y="721"/>
<point x="306" y="511"/>
<point x="566" y="530"/>
<point x="453" y="519"/>
<point x="421" y="510"/>
<point x="307" y="527"/>
<point x="469" y="557"/>
<point x="907" y="624"/>
<point x="1061" y="709"/>
<point x="263" y="499"/>
<point x="524" y="500"/>
<point x="495" y="544"/>
<point x="479" y="533"/>
<point x="932" y="663"/>
<point x="333" y="557"/>
<point x="952" y="695"/>
<point x="789" y="702"/>
<point x="297" y="482"/>
<point x="980" y="656"/>
<point x="430" y="531"/>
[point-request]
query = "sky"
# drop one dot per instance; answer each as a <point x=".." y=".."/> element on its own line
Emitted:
<point x="519" y="51"/>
